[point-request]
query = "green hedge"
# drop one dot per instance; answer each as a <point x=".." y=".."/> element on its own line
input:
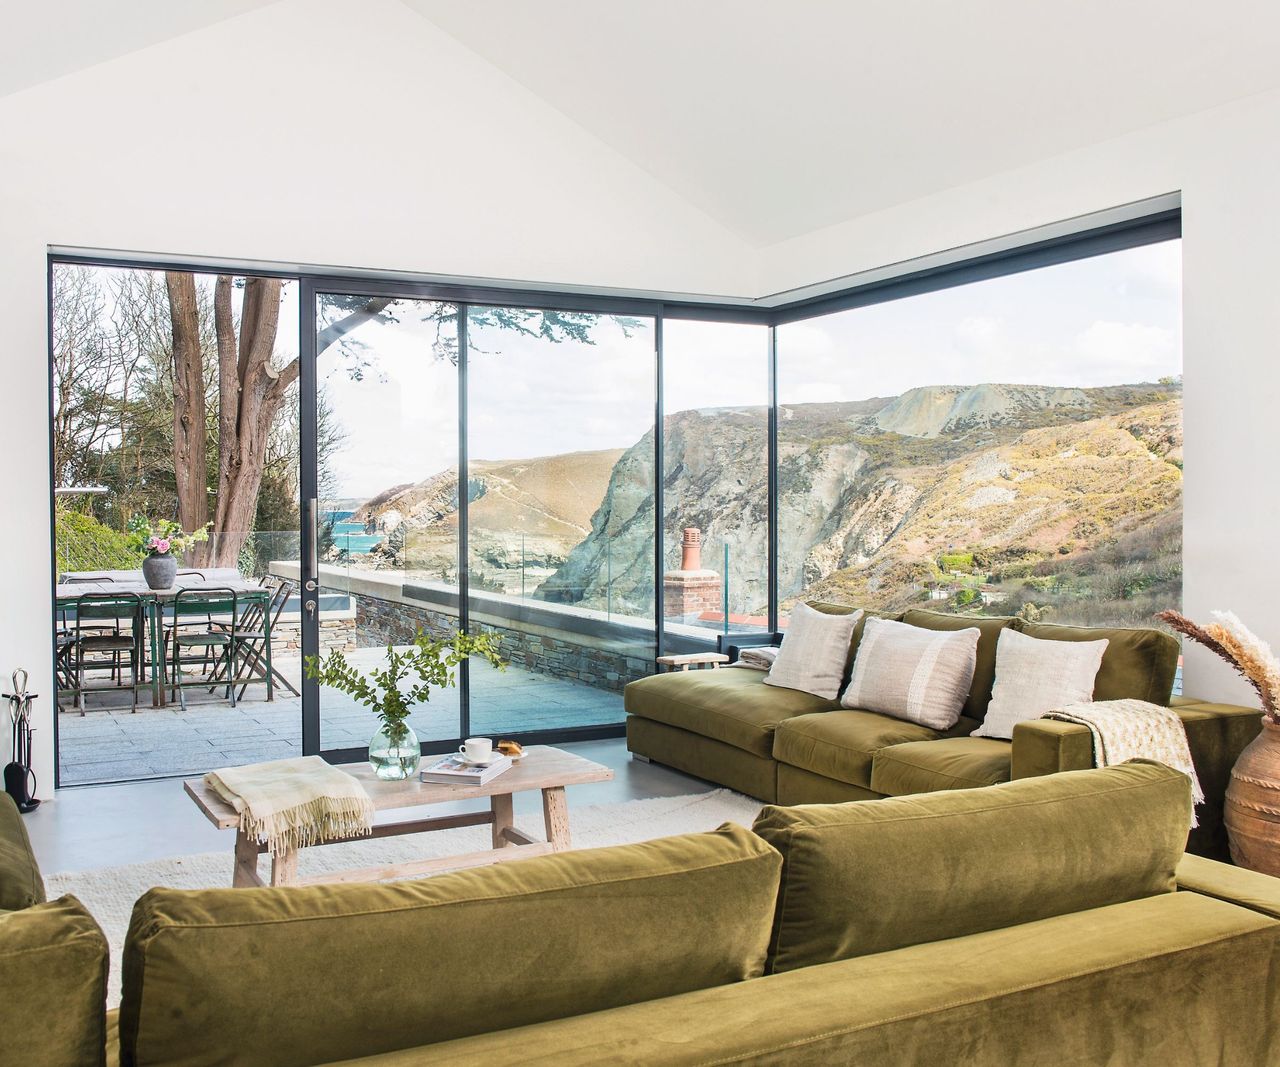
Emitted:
<point x="84" y="544"/>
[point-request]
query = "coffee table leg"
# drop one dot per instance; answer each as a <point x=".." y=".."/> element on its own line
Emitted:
<point x="284" y="867"/>
<point x="555" y="811"/>
<point x="503" y="818"/>
<point x="246" y="870"/>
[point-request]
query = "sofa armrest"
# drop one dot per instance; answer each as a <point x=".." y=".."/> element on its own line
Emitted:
<point x="1047" y="746"/>
<point x="53" y="1008"/>
<point x="1235" y="885"/>
<point x="731" y="643"/>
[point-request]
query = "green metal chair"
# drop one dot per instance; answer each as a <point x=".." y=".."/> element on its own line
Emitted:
<point x="90" y="640"/>
<point x="216" y="639"/>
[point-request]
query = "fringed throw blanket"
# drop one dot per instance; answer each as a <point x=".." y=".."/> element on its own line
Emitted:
<point x="756" y="658"/>
<point x="1133" y="729"/>
<point x="292" y="803"/>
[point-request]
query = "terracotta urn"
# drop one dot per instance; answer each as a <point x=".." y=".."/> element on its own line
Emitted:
<point x="1252" y="808"/>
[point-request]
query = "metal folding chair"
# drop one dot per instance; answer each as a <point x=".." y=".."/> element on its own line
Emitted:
<point x="216" y="640"/>
<point x="89" y="639"/>
<point x="254" y="639"/>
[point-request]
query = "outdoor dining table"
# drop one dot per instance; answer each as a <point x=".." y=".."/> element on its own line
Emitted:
<point x="115" y="583"/>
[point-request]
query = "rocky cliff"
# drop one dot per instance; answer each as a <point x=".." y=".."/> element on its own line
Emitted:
<point x="872" y="494"/>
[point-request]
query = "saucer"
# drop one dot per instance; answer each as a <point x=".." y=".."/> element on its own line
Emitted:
<point x="464" y="758"/>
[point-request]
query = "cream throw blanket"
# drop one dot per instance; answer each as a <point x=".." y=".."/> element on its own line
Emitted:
<point x="292" y="803"/>
<point x="1134" y="729"/>
<point x="757" y="658"/>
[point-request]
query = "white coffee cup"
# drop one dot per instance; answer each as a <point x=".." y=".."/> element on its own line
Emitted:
<point x="477" y="749"/>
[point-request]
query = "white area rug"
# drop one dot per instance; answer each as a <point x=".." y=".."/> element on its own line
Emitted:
<point x="109" y="892"/>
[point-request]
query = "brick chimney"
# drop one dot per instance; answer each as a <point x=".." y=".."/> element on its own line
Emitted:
<point x="690" y="590"/>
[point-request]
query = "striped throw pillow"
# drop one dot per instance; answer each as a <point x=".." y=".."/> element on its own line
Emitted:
<point x="912" y="673"/>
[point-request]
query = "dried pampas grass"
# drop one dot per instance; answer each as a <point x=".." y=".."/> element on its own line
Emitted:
<point x="1231" y="640"/>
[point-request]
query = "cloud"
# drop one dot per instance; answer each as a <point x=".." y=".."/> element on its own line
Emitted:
<point x="1143" y="352"/>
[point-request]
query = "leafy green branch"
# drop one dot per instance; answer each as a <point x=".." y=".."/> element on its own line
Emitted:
<point x="390" y="690"/>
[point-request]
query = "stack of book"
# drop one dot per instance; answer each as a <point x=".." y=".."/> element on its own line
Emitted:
<point x="456" y="769"/>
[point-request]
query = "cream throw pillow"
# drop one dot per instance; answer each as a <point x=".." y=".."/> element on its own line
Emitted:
<point x="1034" y="676"/>
<point x="813" y="652"/>
<point x="912" y="673"/>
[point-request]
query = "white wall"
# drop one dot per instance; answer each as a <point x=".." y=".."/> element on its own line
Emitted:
<point x="304" y="133"/>
<point x="312" y="131"/>
<point x="1225" y="162"/>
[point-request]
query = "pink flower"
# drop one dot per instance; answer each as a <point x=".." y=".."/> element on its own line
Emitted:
<point x="160" y="544"/>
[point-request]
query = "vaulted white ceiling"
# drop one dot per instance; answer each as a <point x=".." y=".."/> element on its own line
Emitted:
<point x="779" y="118"/>
<point x="49" y="38"/>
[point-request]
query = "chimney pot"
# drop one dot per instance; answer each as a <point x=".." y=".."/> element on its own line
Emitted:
<point x="691" y="550"/>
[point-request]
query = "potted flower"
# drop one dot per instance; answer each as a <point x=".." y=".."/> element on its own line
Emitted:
<point x="392" y="690"/>
<point x="160" y="544"/>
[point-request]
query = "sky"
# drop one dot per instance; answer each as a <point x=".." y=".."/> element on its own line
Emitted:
<point x="1107" y="320"/>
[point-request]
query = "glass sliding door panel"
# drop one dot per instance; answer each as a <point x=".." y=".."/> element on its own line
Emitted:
<point x="387" y="508"/>
<point x="560" y="484"/>
<point x="1007" y="447"/>
<point x="715" y="480"/>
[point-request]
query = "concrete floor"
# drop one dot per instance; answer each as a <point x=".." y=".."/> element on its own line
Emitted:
<point x="109" y="825"/>
<point x="112" y="744"/>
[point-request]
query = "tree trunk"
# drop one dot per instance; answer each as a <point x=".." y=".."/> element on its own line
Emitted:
<point x="189" y="430"/>
<point x="251" y="391"/>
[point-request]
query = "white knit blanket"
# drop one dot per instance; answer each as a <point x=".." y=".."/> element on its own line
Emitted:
<point x="292" y="803"/>
<point x="1134" y="729"/>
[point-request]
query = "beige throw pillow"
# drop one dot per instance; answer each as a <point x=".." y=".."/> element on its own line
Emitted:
<point x="1034" y="676"/>
<point x="813" y="652"/>
<point x="911" y="673"/>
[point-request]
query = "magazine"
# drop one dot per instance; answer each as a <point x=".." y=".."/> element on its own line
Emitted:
<point x="455" y="769"/>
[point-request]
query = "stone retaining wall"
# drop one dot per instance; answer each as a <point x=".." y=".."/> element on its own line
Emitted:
<point x="557" y="654"/>
<point x="286" y="636"/>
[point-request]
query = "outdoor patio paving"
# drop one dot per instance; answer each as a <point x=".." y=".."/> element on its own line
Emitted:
<point x="111" y="744"/>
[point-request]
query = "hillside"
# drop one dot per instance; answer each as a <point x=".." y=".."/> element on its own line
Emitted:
<point x="531" y="509"/>
<point x="1038" y="483"/>
<point x="1031" y="499"/>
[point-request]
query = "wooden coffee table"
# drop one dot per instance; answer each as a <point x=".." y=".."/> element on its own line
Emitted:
<point x="547" y="769"/>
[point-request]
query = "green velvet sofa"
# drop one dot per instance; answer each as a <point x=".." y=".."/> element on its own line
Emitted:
<point x="1052" y="920"/>
<point x="783" y="746"/>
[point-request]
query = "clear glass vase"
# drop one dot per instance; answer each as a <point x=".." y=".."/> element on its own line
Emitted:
<point x="395" y="759"/>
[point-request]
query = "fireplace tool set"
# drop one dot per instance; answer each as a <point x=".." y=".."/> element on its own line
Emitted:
<point x="19" y="778"/>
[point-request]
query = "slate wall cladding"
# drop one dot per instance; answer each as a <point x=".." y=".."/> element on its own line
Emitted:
<point x="569" y="656"/>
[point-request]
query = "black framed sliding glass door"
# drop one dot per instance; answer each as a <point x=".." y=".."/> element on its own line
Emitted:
<point x="560" y="520"/>
<point x="383" y="542"/>
<point x="547" y="539"/>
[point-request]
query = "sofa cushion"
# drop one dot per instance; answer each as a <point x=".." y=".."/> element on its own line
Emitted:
<point x="53" y="958"/>
<point x="841" y="744"/>
<point x="813" y="652"/>
<point x="860" y="626"/>
<point x="984" y="672"/>
<point x="914" y="674"/>
<point x="869" y="877"/>
<point x="948" y="763"/>
<point x="732" y="705"/>
<point x="1139" y="663"/>
<point x="312" y="974"/>
<point x="20" y="883"/>
<point x="1034" y="676"/>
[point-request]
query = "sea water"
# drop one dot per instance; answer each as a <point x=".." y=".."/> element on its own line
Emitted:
<point x="351" y="536"/>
